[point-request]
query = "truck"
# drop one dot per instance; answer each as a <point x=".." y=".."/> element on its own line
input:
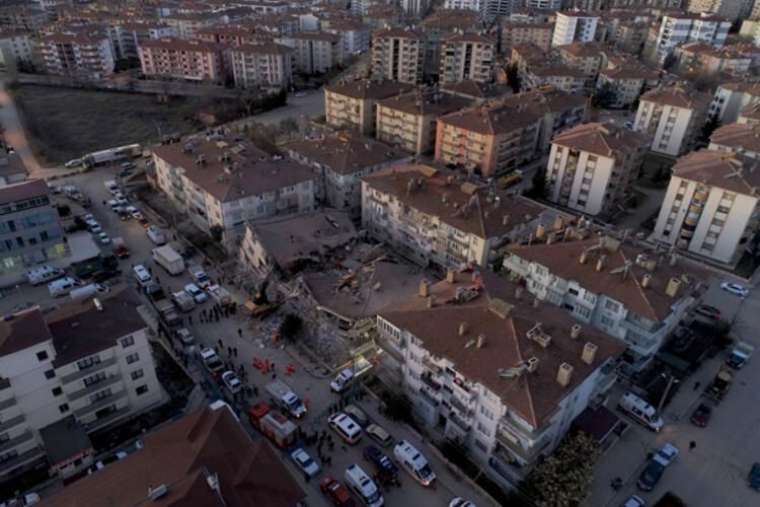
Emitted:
<point x="111" y="155"/>
<point x="167" y="258"/>
<point x="285" y="398"/>
<point x="720" y="385"/>
<point x="183" y="300"/>
<point x="274" y="426"/>
<point x="120" y="249"/>
<point x="199" y="276"/>
<point x="220" y="294"/>
<point x="164" y="307"/>
<point x="155" y="235"/>
<point x="740" y="355"/>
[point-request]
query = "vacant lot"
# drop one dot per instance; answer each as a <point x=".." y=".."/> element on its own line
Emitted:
<point x="64" y="123"/>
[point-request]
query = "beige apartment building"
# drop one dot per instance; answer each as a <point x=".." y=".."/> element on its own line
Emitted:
<point x="700" y="58"/>
<point x="467" y="57"/>
<point x="587" y="58"/>
<point x="398" y="55"/>
<point x="408" y="121"/>
<point x="84" y="55"/>
<point x="314" y="52"/>
<point x="711" y="206"/>
<point x="627" y="81"/>
<point x="538" y="34"/>
<point x="490" y="139"/>
<point x="741" y="139"/>
<point x="592" y="167"/>
<point x="175" y="58"/>
<point x="263" y="66"/>
<point x="354" y="104"/>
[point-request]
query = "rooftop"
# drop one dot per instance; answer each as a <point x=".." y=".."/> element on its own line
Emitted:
<point x="720" y="169"/>
<point x="399" y="33"/>
<point x="369" y="89"/>
<point x="64" y="439"/>
<point x="22" y="191"/>
<point x="26" y="329"/>
<point x="477" y="90"/>
<point x="492" y="119"/>
<point x="604" y="139"/>
<point x="677" y="96"/>
<point x="425" y="103"/>
<point x="738" y="136"/>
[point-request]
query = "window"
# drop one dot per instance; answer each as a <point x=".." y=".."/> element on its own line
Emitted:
<point x="88" y="362"/>
<point x="572" y="291"/>
<point x="94" y="379"/>
<point x="583" y="312"/>
<point x="141" y="390"/>
<point x="611" y="306"/>
<point x="133" y="358"/>
<point x="137" y="374"/>
<point x="49" y="374"/>
<point x="482" y="428"/>
<point x="63" y="408"/>
<point x="57" y="391"/>
<point x="128" y="341"/>
<point x="42" y="355"/>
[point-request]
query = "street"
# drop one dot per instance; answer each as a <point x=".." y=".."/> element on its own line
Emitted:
<point x="13" y="131"/>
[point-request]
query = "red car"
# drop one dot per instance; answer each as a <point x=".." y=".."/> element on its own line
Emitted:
<point x="701" y="415"/>
<point x="336" y="492"/>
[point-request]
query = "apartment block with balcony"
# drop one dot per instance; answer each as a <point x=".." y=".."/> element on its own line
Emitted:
<point x="127" y="36"/>
<point x="398" y="55"/>
<point x="467" y="57"/>
<point x="408" y="121"/>
<point x="741" y="139"/>
<point x="538" y="34"/>
<point x="676" y="29"/>
<point x="314" y="52"/>
<point x="672" y="117"/>
<point x="189" y="60"/>
<point x="703" y="59"/>
<point x="88" y="360"/>
<point x="354" y="104"/>
<point x="728" y="9"/>
<point x="16" y="49"/>
<point x="225" y="183"/>
<point x="268" y="66"/>
<point x="731" y="97"/>
<point x="711" y="207"/>
<point x="439" y="25"/>
<point x="636" y="294"/>
<point x="341" y="160"/>
<point x="627" y="82"/>
<point x="87" y="55"/>
<point x="468" y="356"/>
<point x="436" y="218"/>
<point x="588" y="58"/>
<point x="592" y="167"/>
<point x="574" y="26"/>
<point x="490" y="139"/>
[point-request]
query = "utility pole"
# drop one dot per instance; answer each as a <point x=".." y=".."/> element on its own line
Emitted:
<point x="671" y="381"/>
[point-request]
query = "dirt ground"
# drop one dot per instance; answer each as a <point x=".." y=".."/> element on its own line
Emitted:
<point x="64" y="123"/>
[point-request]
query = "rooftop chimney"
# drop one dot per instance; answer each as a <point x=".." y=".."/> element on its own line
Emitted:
<point x="646" y="280"/>
<point x="589" y="353"/>
<point x="535" y="303"/>
<point x="532" y="364"/>
<point x="673" y="259"/>
<point x="564" y="374"/>
<point x="540" y="231"/>
<point x="430" y="301"/>
<point x="462" y="328"/>
<point x="600" y="262"/>
<point x="505" y="219"/>
<point x="672" y="288"/>
<point x="583" y="258"/>
<point x="559" y="223"/>
<point x="450" y="276"/>
<point x="575" y="331"/>
<point x="481" y="341"/>
<point x="518" y="292"/>
<point x="424" y="290"/>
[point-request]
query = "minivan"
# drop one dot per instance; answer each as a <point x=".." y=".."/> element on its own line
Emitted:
<point x="414" y="462"/>
<point x="62" y="286"/>
<point x="641" y="411"/>
<point x="43" y="274"/>
<point x="364" y="487"/>
<point x="142" y="275"/>
<point x="345" y="427"/>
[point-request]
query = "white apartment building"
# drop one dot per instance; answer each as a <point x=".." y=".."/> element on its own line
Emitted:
<point x="16" y="47"/>
<point x="574" y="26"/>
<point x="92" y="361"/>
<point x="415" y="8"/>
<point x="88" y="56"/>
<point x="354" y="35"/>
<point x="678" y="29"/>
<point x="432" y="219"/>
<point x="398" y="55"/>
<point x="262" y="65"/>
<point x="592" y="167"/>
<point x="711" y="206"/>
<point x="467" y="57"/>
<point x="672" y="117"/>
<point x="314" y="52"/>
<point x="190" y="60"/>
<point x="223" y="183"/>
<point x="742" y="138"/>
<point x="731" y="98"/>
<point x="470" y="368"/>
<point x="543" y="5"/>
<point x="728" y="9"/>
<point x="636" y="295"/>
<point x="126" y="37"/>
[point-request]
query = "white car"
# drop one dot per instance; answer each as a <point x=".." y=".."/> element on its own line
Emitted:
<point x="461" y="502"/>
<point x="89" y="217"/>
<point x="96" y="229"/>
<point x="104" y="239"/>
<point x="304" y="462"/>
<point x="198" y="295"/>
<point x="735" y="289"/>
<point x="342" y="380"/>
<point x="635" y="501"/>
<point x="666" y="455"/>
<point x="231" y="382"/>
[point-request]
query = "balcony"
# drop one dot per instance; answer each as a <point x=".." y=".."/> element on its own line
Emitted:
<point x="97" y="386"/>
<point x="7" y="403"/>
<point x="71" y="377"/>
<point x="428" y="380"/>
<point x="101" y="403"/>
<point x="10" y="423"/>
<point x="513" y="445"/>
<point x="33" y="454"/>
<point x="428" y="398"/>
<point x="13" y="442"/>
<point x="462" y="425"/>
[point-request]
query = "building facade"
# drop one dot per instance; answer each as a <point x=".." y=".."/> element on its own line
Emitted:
<point x="467" y="57"/>
<point x="574" y="26"/>
<point x="681" y="28"/>
<point x="175" y="58"/>
<point x="354" y="104"/>
<point x="398" y="55"/>
<point x="83" y="55"/>
<point x="264" y="66"/>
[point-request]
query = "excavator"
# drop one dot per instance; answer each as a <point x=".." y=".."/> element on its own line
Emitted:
<point x="259" y="307"/>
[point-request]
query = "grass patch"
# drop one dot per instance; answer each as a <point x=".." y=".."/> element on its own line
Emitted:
<point x="64" y="123"/>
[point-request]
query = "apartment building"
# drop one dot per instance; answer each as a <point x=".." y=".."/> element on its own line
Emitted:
<point x="468" y="357"/>
<point x="627" y="82"/>
<point x="87" y="55"/>
<point x="440" y="25"/>
<point x="703" y="59"/>
<point x="187" y="24"/>
<point x="16" y="49"/>
<point x="592" y="167"/>
<point x="127" y="36"/>
<point x="435" y="219"/>
<point x="232" y="34"/>
<point x="12" y="168"/>
<point x="341" y="160"/>
<point x="750" y="114"/>
<point x="574" y="26"/>
<point x="559" y="76"/>
<point x="479" y="93"/>
<point x="587" y="58"/>
<point x="490" y="140"/>
<point x="221" y="184"/>
<point x="354" y="104"/>
<point x="731" y="98"/>
<point x="398" y="55"/>
<point x="467" y="57"/>
<point x="190" y="60"/>
<point x="728" y="9"/>
<point x="267" y="66"/>
<point x="543" y="5"/>
<point x="672" y="117"/>
<point x="314" y="52"/>
<point x="538" y="34"/>
<point x="465" y="5"/>
<point x="408" y="121"/>
<point x="711" y="206"/>
<point x="84" y="359"/>
<point x="30" y="230"/>
<point x="676" y="29"/>
<point x="633" y="293"/>
<point x="742" y="139"/>
<point x="22" y="16"/>
<point x="203" y="458"/>
<point x="414" y="8"/>
<point x="354" y="34"/>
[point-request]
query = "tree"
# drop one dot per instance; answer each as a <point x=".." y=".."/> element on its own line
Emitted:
<point x="604" y="97"/>
<point x="291" y="326"/>
<point x="538" y="190"/>
<point x="564" y="478"/>
<point x="248" y="98"/>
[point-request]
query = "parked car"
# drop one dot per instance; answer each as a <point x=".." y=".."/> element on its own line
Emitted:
<point x="666" y="454"/>
<point x="379" y="435"/>
<point x="634" y="501"/>
<point x="708" y="311"/>
<point x="104" y="238"/>
<point x="650" y="476"/>
<point x="342" y="380"/>
<point x="231" y="381"/>
<point x="336" y="492"/>
<point x="754" y="477"/>
<point x="357" y="415"/>
<point x="701" y="415"/>
<point x="382" y="462"/>
<point x="735" y="289"/>
<point x="185" y="336"/>
<point x="198" y="295"/>
<point x="460" y="502"/>
<point x="95" y="229"/>
<point x="307" y="465"/>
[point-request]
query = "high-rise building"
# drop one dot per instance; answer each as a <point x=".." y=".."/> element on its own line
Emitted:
<point x="574" y="26"/>
<point x="467" y="57"/>
<point x="398" y="55"/>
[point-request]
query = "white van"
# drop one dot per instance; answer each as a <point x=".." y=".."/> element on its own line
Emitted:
<point x="414" y="462"/>
<point x="364" y="487"/>
<point x="641" y="411"/>
<point x="345" y="427"/>
<point x="142" y="275"/>
<point x="43" y="274"/>
<point x="62" y="286"/>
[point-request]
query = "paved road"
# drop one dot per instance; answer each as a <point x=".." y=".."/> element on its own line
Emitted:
<point x="14" y="131"/>
<point x="311" y="104"/>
